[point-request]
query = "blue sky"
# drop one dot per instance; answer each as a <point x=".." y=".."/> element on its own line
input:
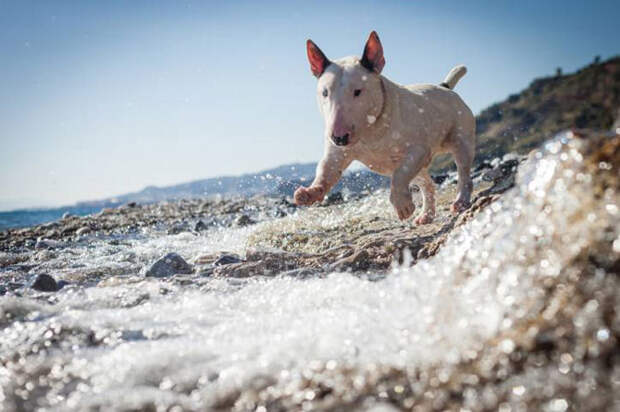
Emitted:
<point x="105" y="97"/>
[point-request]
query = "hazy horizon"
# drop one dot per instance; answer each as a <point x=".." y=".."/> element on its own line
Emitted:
<point x="108" y="98"/>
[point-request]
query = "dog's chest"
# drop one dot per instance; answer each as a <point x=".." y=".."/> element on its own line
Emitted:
<point x="383" y="157"/>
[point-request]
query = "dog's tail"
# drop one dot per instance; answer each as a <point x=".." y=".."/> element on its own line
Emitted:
<point x="453" y="77"/>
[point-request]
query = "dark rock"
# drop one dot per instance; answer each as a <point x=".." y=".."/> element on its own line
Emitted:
<point x="439" y="178"/>
<point x="357" y="261"/>
<point x="169" y="265"/>
<point x="206" y="271"/>
<point x="226" y="260"/>
<point x="62" y="283"/>
<point x="244" y="220"/>
<point x="200" y="226"/>
<point x="302" y="273"/>
<point x="45" y="283"/>
<point x="67" y="215"/>
<point x="333" y="198"/>
<point x="278" y="213"/>
<point x="179" y="228"/>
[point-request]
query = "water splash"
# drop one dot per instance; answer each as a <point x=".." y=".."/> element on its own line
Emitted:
<point x="147" y="342"/>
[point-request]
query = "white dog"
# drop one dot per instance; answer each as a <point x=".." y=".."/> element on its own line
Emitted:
<point x="394" y="130"/>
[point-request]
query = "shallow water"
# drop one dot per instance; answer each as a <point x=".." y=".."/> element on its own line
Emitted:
<point x="132" y="343"/>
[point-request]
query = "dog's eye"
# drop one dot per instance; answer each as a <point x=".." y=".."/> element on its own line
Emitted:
<point x="324" y="92"/>
<point x="357" y="92"/>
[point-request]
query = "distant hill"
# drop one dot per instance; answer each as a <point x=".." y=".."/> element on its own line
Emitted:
<point x="588" y="98"/>
<point x="282" y="180"/>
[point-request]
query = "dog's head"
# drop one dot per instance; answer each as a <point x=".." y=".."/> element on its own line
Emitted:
<point x="349" y="91"/>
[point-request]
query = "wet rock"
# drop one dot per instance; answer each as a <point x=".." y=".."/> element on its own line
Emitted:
<point x="45" y="255"/>
<point x="503" y="168"/>
<point x="200" y="226"/>
<point x="7" y="259"/>
<point x="259" y="263"/>
<point x="278" y="213"/>
<point x="179" y="228"/>
<point x="45" y="283"/>
<point x="244" y="220"/>
<point x="205" y="207"/>
<point x="359" y="260"/>
<point x="169" y="265"/>
<point x="333" y="198"/>
<point x="439" y="178"/>
<point x="105" y="211"/>
<point x="43" y="243"/>
<point x="302" y="273"/>
<point x="226" y="260"/>
<point x="83" y="231"/>
<point x="206" y="271"/>
<point x="62" y="283"/>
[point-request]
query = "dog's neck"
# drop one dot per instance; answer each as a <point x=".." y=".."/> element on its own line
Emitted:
<point x="384" y="97"/>
<point x="383" y="120"/>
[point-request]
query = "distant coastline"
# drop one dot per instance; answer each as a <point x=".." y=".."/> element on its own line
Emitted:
<point x="20" y="218"/>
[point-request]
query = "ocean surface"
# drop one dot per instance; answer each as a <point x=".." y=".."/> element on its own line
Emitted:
<point x="31" y="217"/>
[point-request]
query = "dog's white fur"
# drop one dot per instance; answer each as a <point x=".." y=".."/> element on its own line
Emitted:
<point x="394" y="130"/>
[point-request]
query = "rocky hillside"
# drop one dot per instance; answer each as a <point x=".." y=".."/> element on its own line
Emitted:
<point x="589" y="98"/>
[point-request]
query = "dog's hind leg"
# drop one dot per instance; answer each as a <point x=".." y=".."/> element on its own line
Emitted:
<point x="463" y="148"/>
<point x="427" y="188"/>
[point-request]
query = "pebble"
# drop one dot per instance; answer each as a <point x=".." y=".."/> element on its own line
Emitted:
<point x="226" y="260"/>
<point x="179" y="228"/>
<point x="200" y="226"/>
<point x="244" y="220"/>
<point x="105" y="211"/>
<point x="83" y="230"/>
<point x="45" y="283"/>
<point x="62" y="283"/>
<point x="169" y="265"/>
<point x="43" y="243"/>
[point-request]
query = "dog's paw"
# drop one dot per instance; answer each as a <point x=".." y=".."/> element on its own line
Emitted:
<point x="305" y="196"/>
<point x="424" y="218"/>
<point x="458" y="206"/>
<point x="402" y="204"/>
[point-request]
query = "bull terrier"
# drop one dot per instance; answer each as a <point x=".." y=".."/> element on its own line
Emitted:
<point x="394" y="130"/>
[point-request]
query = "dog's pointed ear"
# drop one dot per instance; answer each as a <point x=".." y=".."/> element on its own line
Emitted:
<point x="373" y="59"/>
<point x="318" y="61"/>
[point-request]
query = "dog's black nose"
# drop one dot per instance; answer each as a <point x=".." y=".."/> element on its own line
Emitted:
<point x="341" y="140"/>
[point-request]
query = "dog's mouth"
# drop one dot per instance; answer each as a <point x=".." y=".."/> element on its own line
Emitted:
<point x="341" y="140"/>
<point x="344" y="139"/>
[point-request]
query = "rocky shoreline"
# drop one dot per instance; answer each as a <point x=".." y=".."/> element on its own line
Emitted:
<point x="364" y="244"/>
<point x="556" y="349"/>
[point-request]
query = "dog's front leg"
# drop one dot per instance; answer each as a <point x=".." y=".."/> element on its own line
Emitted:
<point x="400" y="197"/>
<point x="328" y="172"/>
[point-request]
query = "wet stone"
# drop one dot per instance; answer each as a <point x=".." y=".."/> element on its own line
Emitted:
<point x="200" y="226"/>
<point x="226" y="260"/>
<point x="43" y="243"/>
<point x="62" y="283"/>
<point x="45" y="283"/>
<point x="179" y="228"/>
<point x="244" y="220"/>
<point x="83" y="230"/>
<point x="169" y="265"/>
